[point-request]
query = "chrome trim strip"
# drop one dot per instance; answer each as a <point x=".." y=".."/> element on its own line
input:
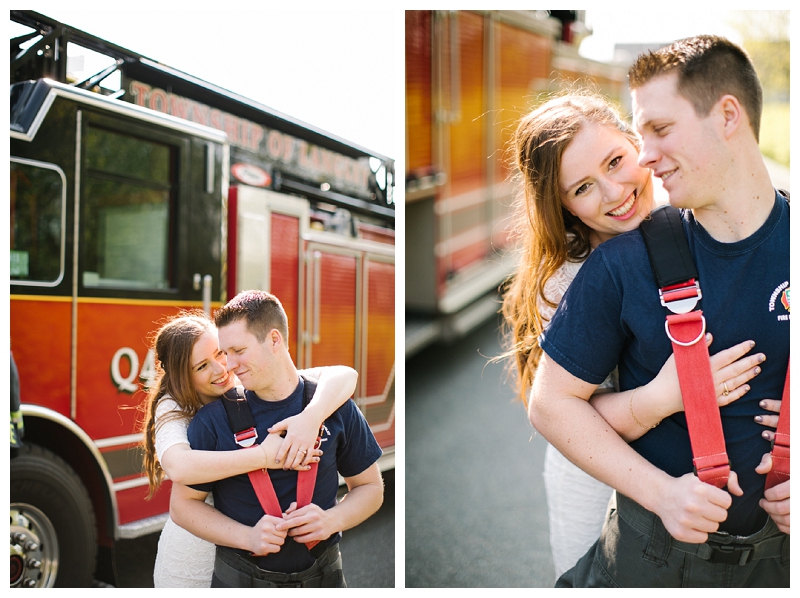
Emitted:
<point x="143" y="527"/>
<point x="327" y="238"/>
<point x="118" y="440"/>
<point x="120" y="107"/>
<point x="132" y="483"/>
<point x="73" y="370"/>
<point x="223" y="237"/>
<point x="316" y="259"/>
<point x="63" y="249"/>
<point x="37" y="121"/>
<point x="210" y="167"/>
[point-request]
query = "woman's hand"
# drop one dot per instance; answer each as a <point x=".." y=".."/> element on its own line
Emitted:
<point x="769" y="420"/>
<point x="301" y="437"/>
<point x="731" y="368"/>
<point x="271" y="447"/>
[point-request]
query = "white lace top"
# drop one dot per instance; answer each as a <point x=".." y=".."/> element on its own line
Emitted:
<point x="576" y="502"/>
<point x="557" y="285"/>
<point x="171" y="432"/>
<point x="183" y="560"/>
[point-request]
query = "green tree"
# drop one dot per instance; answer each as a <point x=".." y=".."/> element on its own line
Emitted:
<point x="765" y="36"/>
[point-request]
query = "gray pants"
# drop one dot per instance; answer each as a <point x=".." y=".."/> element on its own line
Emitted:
<point x="232" y="570"/>
<point x="635" y="551"/>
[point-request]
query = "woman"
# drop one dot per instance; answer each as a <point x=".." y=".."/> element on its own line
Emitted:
<point x="582" y="185"/>
<point x="191" y="372"/>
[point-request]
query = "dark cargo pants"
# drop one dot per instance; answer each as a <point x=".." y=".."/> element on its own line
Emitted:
<point x="635" y="551"/>
<point x="232" y="570"/>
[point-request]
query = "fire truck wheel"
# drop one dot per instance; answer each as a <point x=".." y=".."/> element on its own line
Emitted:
<point x="53" y="531"/>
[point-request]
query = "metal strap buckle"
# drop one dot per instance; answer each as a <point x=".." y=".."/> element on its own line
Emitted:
<point x="690" y="343"/>
<point x="682" y="298"/>
<point x="246" y="438"/>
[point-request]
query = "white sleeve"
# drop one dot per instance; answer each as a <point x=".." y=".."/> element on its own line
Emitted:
<point x="556" y="286"/>
<point x="171" y="432"/>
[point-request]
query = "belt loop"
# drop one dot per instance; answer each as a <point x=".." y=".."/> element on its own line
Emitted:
<point x="658" y="547"/>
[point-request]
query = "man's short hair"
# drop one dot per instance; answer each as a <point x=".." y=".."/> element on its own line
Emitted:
<point x="708" y="67"/>
<point x="261" y="311"/>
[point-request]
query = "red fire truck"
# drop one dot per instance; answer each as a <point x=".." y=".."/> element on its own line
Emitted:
<point x="129" y="203"/>
<point x="470" y="77"/>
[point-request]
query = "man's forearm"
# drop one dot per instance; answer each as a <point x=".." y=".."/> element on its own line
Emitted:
<point x="336" y="384"/>
<point x="358" y="505"/>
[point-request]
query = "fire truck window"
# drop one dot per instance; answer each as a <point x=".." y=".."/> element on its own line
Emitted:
<point x="127" y="210"/>
<point x="130" y="157"/>
<point x="37" y="211"/>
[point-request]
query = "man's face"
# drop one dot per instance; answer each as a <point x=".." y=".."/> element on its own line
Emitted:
<point x="680" y="147"/>
<point x="252" y="362"/>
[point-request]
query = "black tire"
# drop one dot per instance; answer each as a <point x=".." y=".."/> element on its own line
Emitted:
<point x="49" y="499"/>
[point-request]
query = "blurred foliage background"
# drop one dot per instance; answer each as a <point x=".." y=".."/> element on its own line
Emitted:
<point x="765" y="36"/>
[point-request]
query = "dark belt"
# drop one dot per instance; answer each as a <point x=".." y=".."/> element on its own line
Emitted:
<point x="721" y="547"/>
<point x="239" y="572"/>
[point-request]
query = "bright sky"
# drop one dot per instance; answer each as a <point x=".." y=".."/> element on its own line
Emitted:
<point x="630" y="26"/>
<point x="339" y="70"/>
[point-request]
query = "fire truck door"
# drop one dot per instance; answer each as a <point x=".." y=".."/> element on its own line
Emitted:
<point x="268" y="245"/>
<point x="333" y="302"/>
<point x="350" y="321"/>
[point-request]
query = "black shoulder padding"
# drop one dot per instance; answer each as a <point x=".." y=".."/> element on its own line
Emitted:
<point x="237" y="408"/>
<point x="240" y="417"/>
<point x="667" y="247"/>
<point x="309" y="388"/>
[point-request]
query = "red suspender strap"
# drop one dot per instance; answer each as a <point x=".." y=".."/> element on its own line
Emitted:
<point x="687" y="333"/>
<point x="780" y="447"/>
<point x="262" y="484"/>
<point x="265" y="491"/>
<point x="242" y="423"/>
<point x="305" y="485"/>
<point x="305" y="490"/>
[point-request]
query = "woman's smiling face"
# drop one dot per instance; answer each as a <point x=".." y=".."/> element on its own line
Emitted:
<point x="602" y="183"/>
<point x="209" y="367"/>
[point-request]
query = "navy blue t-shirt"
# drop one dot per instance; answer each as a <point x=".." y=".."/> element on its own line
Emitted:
<point x="348" y="445"/>
<point x="611" y="315"/>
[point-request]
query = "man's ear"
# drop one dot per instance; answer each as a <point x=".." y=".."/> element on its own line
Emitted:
<point x="732" y="113"/>
<point x="275" y="339"/>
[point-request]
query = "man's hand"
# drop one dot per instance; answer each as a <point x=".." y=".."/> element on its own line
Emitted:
<point x="308" y="524"/>
<point x="691" y="509"/>
<point x="265" y="537"/>
<point x="776" y="499"/>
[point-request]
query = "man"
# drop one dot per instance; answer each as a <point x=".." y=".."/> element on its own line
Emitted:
<point x="697" y="105"/>
<point x="270" y="551"/>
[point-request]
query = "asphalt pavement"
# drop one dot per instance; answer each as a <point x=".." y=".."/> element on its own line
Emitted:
<point x="475" y="511"/>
